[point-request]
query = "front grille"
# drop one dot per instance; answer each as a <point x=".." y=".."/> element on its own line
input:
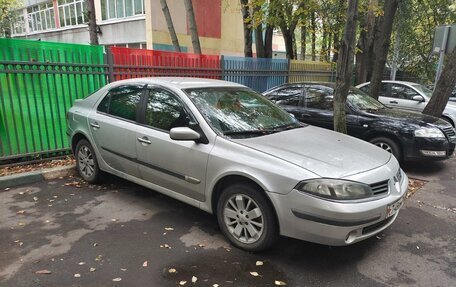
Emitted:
<point x="380" y="187"/>
<point x="376" y="226"/>
<point x="449" y="131"/>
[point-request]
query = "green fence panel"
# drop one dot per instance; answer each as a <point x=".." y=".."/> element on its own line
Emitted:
<point x="39" y="82"/>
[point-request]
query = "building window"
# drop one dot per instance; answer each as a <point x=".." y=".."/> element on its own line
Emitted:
<point x="115" y="9"/>
<point x="18" y="24"/>
<point x="72" y="12"/>
<point x="41" y="17"/>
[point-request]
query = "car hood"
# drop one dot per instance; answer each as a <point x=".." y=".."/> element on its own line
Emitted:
<point x="323" y="152"/>
<point x="409" y="117"/>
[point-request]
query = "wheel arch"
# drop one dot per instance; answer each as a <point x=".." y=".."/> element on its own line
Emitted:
<point x="77" y="136"/>
<point x="447" y="118"/>
<point x="392" y="136"/>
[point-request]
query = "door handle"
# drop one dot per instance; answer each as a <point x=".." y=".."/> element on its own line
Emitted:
<point x="95" y="125"/>
<point x="393" y="102"/>
<point x="144" y="140"/>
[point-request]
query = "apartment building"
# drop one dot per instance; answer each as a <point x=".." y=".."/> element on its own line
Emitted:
<point x="134" y="23"/>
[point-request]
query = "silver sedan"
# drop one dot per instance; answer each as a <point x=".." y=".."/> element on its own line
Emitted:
<point x="226" y="149"/>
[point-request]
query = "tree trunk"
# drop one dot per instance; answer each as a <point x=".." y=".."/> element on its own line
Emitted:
<point x="323" y="43"/>
<point x="169" y="23"/>
<point x="268" y="41"/>
<point x="314" y="36"/>
<point x="443" y="88"/>
<point x="345" y="67"/>
<point x="295" y="47"/>
<point x="247" y="24"/>
<point x="192" y="26"/>
<point x="93" y="35"/>
<point x="365" y="57"/>
<point x="288" y="38"/>
<point x="336" y="42"/>
<point x="328" y="50"/>
<point x="382" y="43"/>
<point x="303" y="41"/>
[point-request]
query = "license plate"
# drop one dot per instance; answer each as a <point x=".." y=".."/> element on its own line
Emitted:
<point x="392" y="208"/>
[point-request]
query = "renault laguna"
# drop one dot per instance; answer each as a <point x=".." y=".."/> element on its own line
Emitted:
<point x="225" y="149"/>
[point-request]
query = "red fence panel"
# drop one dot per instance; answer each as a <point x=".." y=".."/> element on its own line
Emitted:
<point x="132" y="63"/>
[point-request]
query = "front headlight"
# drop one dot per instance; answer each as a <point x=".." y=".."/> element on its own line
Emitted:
<point x="429" y="133"/>
<point x="335" y="189"/>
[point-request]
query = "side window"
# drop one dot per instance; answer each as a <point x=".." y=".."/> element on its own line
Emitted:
<point x="289" y="96"/>
<point x="165" y="111"/>
<point x="385" y="90"/>
<point x="365" y="89"/>
<point x="403" y="92"/>
<point x="122" y="102"/>
<point x="317" y="98"/>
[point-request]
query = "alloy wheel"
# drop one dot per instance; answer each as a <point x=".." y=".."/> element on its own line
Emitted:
<point x="384" y="146"/>
<point x="243" y="218"/>
<point x="86" y="161"/>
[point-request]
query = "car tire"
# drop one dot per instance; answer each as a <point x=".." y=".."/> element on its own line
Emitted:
<point x="86" y="162"/>
<point x="389" y="145"/>
<point x="250" y="226"/>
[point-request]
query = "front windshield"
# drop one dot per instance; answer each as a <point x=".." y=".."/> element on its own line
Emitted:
<point x="362" y="101"/>
<point x="240" y="111"/>
<point x="422" y="89"/>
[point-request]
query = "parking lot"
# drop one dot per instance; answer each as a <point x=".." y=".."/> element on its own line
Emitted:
<point x="121" y="234"/>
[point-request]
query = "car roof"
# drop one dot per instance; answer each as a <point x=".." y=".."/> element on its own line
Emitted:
<point x="393" y="81"/>
<point x="180" y="82"/>
<point x="326" y="84"/>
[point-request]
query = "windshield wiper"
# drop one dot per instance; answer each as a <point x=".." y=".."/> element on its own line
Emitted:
<point x="287" y="127"/>
<point x="251" y="132"/>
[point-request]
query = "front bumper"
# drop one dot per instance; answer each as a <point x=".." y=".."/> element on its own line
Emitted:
<point x="313" y="219"/>
<point x="423" y="148"/>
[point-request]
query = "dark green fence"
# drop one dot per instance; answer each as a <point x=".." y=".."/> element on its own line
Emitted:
<point x="39" y="81"/>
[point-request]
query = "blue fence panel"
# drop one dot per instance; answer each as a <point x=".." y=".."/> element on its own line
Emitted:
<point x="255" y="73"/>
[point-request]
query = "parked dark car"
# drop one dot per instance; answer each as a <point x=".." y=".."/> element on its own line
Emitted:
<point x="408" y="135"/>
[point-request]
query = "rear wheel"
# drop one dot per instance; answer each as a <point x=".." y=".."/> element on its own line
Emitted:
<point x="86" y="162"/>
<point x="388" y="145"/>
<point x="247" y="218"/>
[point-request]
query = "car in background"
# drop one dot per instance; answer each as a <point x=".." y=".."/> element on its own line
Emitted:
<point x="407" y="135"/>
<point x="225" y="149"/>
<point x="409" y="96"/>
<point x="452" y="97"/>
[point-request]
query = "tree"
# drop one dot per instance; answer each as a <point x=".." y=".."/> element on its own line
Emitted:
<point x="192" y="26"/>
<point x="381" y="46"/>
<point x="93" y="33"/>
<point x="7" y="16"/>
<point x="247" y="25"/>
<point x="345" y="67"/>
<point x="170" y="24"/>
<point x="443" y="88"/>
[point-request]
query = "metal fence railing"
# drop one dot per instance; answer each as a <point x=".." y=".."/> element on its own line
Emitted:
<point x="39" y="82"/>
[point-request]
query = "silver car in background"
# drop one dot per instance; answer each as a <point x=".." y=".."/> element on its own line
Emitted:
<point x="409" y="96"/>
<point x="225" y="149"/>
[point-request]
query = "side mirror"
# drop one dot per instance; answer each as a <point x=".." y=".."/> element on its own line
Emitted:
<point x="184" y="134"/>
<point x="292" y="115"/>
<point x="418" y="98"/>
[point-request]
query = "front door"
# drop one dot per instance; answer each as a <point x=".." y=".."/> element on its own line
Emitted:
<point x="179" y="166"/>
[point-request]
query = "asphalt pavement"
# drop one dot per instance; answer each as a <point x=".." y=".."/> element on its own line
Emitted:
<point x="121" y="234"/>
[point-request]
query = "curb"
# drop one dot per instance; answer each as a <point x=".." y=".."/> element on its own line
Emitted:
<point x="36" y="176"/>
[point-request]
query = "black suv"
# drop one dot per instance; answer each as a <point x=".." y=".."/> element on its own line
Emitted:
<point x="407" y="135"/>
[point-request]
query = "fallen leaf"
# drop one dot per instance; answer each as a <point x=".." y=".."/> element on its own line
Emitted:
<point x="81" y="263"/>
<point x="194" y="278"/>
<point x="145" y="264"/>
<point x="92" y="269"/>
<point x="123" y="269"/>
<point x="165" y="246"/>
<point x="169" y="228"/>
<point x="254" y="274"/>
<point x="417" y="247"/>
<point x="77" y="275"/>
<point x="117" y="279"/>
<point x="259" y="263"/>
<point x="43" y="272"/>
<point x="279" y="283"/>
<point x="95" y="244"/>
<point x="21" y="212"/>
<point x="200" y="245"/>
<point x="35" y="198"/>
<point x="99" y="257"/>
<point x="21" y="193"/>
<point x="172" y="270"/>
<point x="6" y="189"/>
<point x="114" y="219"/>
<point x="47" y="221"/>
<point x="182" y="283"/>
<point x="21" y="224"/>
<point x="215" y="285"/>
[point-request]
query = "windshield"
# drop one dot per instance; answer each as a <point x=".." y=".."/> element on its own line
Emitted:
<point x="422" y="89"/>
<point x="362" y="101"/>
<point x="240" y="112"/>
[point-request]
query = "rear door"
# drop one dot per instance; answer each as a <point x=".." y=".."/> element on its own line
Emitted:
<point x="113" y="126"/>
<point x="179" y="166"/>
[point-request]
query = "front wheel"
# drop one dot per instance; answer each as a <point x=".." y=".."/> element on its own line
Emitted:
<point x="247" y="218"/>
<point x="388" y="145"/>
<point x="86" y="162"/>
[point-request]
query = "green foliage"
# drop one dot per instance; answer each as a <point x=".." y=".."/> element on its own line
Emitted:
<point x="7" y="8"/>
<point x="414" y="25"/>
